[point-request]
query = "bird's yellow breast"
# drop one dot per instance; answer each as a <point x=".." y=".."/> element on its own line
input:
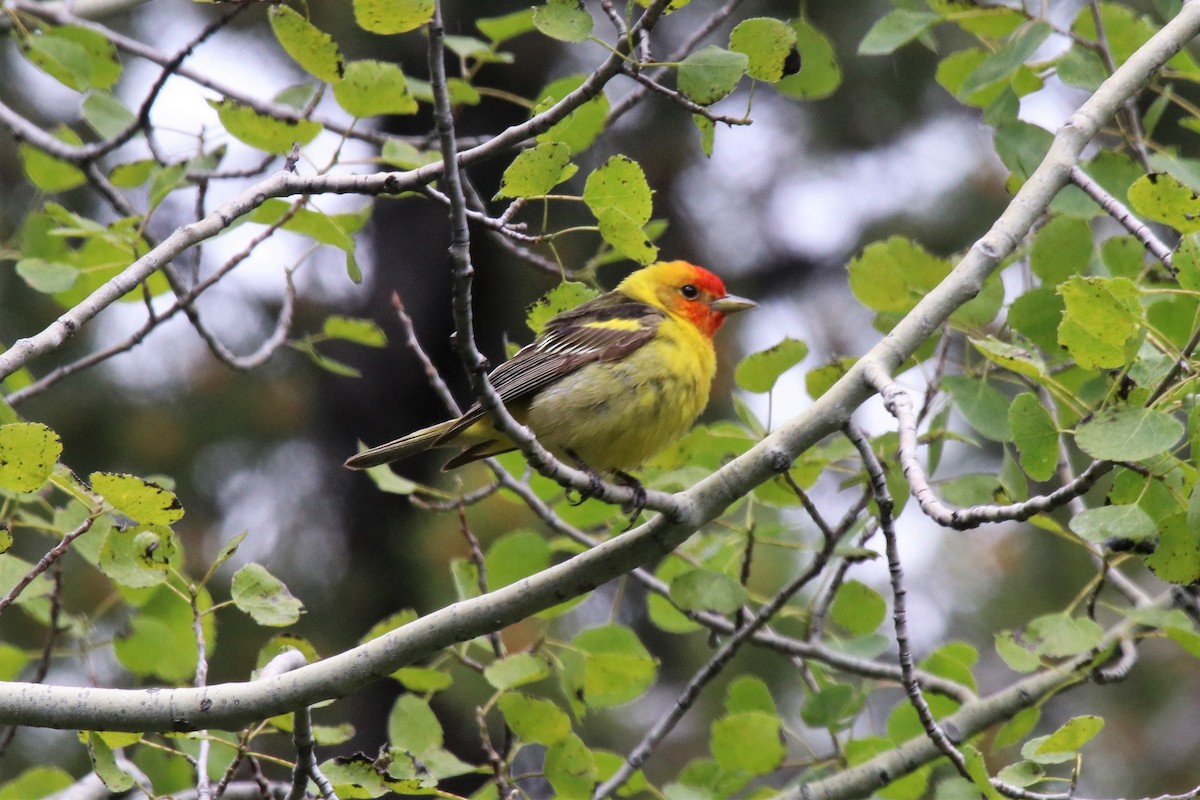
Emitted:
<point x="614" y="415"/>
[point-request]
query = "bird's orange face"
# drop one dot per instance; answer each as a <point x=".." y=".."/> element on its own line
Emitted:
<point x="697" y="295"/>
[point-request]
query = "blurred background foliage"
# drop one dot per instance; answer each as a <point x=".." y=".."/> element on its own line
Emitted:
<point x="778" y="210"/>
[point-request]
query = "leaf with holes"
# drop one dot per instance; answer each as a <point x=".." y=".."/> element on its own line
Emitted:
<point x="264" y="597"/>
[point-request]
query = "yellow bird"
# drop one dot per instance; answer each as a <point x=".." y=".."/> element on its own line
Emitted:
<point x="606" y="384"/>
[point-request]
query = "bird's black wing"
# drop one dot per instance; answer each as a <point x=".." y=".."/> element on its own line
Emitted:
<point x="605" y="328"/>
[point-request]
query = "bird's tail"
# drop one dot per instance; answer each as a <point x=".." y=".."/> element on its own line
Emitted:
<point x="405" y="446"/>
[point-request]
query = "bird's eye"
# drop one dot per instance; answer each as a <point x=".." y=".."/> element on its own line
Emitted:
<point x="689" y="292"/>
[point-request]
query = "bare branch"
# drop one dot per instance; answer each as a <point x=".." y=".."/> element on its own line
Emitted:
<point x="1117" y="210"/>
<point x="898" y="403"/>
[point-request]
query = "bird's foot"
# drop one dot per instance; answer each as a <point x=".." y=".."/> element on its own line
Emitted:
<point x="638" y="505"/>
<point x="594" y="482"/>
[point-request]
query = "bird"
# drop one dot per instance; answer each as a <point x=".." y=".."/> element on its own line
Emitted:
<point x="606" y="384"/>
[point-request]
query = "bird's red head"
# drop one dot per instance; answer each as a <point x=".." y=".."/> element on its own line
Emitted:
<point x="687" y="291"/>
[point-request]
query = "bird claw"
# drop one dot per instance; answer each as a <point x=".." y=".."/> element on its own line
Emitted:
<point x="594" y="482"/>
<point x="638" y="505"/>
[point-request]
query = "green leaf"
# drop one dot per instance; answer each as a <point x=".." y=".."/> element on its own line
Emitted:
<point x="582" y="126"/>
<point x="136" y="498"/>
<point x="508" y="26"/>
<point x="662" y="613"/>
<point x="1186" y="260"/>
<point x="1101" y="321"/>
<point x="335" y="230"/>
<point x="537" y="170"/>
<point x="48" y="173"/>
<point x="1022" y="146"/>
<point x="405" y="156"/>
<point x="309" y="46"/>
<point x="829" y="707"/>
<point x="64" y="60"/>
<point x="138" y="557"/>
<point x="28" y="453"/>
<point x="1014" y="654"/>
<point x="516" y="670"/>
<point x="1081" y="67"/>
<point x="1062" y="248"/>
<point x="565" y="20"/>
<point x="1036" y="315"/>
<point x="759" y="371"/>
<point x="534" y="720"/>
<point x="1128" y="434"/>
<point x="423" y="679"/>
<point x="132" y="173"/>
<point x="351" y="329"/>
<point x="819" y="74"/>
<point x="357" y="776"/>
<point x="1011" y="357"/>
<point x="1176" y="559"/>
<point x="104" y="764"/>
<point x="570" y="768"/>
<point x="261" y="131"/>
<point x="371" y="88"/>
<point x="710" y="74"/>
<point x="1035" y="435"/>
<point x="708" y="133"/>
<point x="895" y="274"/>
<point x="819" y="380"/>
<point x="515" y="556"/>
<point x="858" y="608"/>
<point x="626" y="235"/>
<point x="704" y="589"/>
<point x="978" y="771"/>
<point x="1018" y="726"/>
<point x="1099" y="525"/>
<point x="748" y="693"/>
<point x="562" y="297"/>
<point x="1001" y="64"/>
<point x="161" y="639"/>
<point x="749" y="740"/>
<point x="1074" y="734"/>
<point x="1163" y="198"/>
<point x="895" y="30"/>
<point x="1022" y="773"/>
<point x="413" y="727"/>
<point x="100" y="51"/>
<point x="1063" y="636"/>
<point x="392" y="16"/>
<point x="264" y="597"/>
<point x="767" y="42"/>
<point x="36" y="782"/>
<point x="608" y="666"/>
<point x="981" y="405"/>
<point x="105" y="114"/>
<point x="619" y="184"/>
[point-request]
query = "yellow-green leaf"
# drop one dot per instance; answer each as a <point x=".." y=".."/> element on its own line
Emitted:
<point x="309" y="46"/>
<point x="136" y="498"/>
<point x="261" y="131"/>
<point x="759" y="371"/>
<point x="767" y="42"/>
<point x="28" y="453"/>
<point x="392" y="16"/>
<point x="373" y="87"/>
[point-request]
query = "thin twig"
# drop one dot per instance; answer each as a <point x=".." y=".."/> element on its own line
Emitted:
<point x="713" y="667"/>
<point x="48" y="560"/>
<point x="898" y="403"/>
<point x="1117" y="210"/>
<point x="883" y="502"/>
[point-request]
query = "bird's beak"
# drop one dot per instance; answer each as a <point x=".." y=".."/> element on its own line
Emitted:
<point x="731" y="304"/>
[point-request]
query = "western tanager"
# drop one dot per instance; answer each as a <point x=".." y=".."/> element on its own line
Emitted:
<point x="606" y="384"/>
